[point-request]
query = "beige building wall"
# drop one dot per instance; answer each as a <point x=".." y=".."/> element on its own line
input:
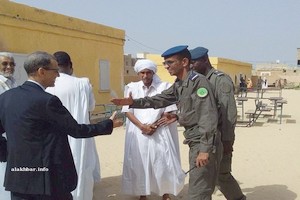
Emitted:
<point x="25" y="29"/>
<point x="129" y="74"/>
<point x="275" y="72"/>
<point x="233" y="68"/>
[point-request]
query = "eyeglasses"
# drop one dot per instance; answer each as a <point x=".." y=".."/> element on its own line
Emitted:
<point x="169" y="62"/>
<point x="5" y="64"/>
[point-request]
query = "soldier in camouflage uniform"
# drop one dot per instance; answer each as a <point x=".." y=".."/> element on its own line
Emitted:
<point x="197" y="113"/>
<point x="224" y="93"/>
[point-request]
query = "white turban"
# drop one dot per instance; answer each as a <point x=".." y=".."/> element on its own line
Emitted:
<point x="147" y="64"/>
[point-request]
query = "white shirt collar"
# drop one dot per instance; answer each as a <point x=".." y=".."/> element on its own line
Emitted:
<point x="10" y="82"/>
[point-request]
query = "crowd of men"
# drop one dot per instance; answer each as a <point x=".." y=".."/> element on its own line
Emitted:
<point x="207" y="111"/>
<point x="47" y="150"/>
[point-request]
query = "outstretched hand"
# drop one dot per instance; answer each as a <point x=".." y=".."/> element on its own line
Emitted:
<point x="123" y="101"/>
<point x="116" y="122"/>
<point x="166" y="119"/>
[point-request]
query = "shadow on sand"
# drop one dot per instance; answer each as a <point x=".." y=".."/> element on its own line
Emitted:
<point x="110" y="189"/>
<point x="270" y="192"/>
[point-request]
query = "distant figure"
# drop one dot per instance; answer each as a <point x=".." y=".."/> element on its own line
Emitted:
<point x="249" y="83"/>
<point x="278" y="83"/>
<point x="259" y="84"/>
<point x="77" y="96"/>
<point x="152" y="159"/>
<point x="243" y="87"/>
<point x="264" y="83"/>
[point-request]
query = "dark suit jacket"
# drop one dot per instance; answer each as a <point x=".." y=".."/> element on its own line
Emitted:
<point x="39" y="158"/>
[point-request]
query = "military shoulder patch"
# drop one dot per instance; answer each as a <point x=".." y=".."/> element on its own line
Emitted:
<point x="202" y="92"/>
<point x="218" y="73"/>
<point x="193" y="76"/>
<point x="225" y="87"/>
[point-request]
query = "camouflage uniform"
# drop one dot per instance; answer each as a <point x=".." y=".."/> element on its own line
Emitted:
<point x="198" y="114"/>
<point x="224" y="93"/>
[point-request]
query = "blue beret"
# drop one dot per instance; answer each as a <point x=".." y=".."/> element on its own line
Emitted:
<point x="198" y="52"/>
<point x="174" y="50"/>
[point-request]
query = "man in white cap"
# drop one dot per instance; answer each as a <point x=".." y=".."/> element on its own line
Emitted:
<point x="152" y="159"/>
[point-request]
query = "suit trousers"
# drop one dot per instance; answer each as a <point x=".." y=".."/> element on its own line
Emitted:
<point x="19" y="196"/>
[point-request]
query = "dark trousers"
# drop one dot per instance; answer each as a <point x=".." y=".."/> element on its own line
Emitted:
<point x="18" y="196"/>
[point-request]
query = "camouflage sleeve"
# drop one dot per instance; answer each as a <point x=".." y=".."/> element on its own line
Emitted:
<point x="227" y="107"/>
<point x="166" y="98"/>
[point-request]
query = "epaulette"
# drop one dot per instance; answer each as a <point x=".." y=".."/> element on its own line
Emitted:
<point x="193" y="76"/>
<point x="218" y="73"/>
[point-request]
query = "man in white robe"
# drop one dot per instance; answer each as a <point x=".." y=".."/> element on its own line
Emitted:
<point x="77" y="96"/>
<point x="7" y="81"/>
<point x="152" y="159"/>
<point x="7" y="69"/>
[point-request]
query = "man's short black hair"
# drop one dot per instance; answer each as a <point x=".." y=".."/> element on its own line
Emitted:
<point x="63" y="59"/>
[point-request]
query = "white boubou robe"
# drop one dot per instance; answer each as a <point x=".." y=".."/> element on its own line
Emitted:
<point x="151" y="163"/>
<point x="77" y="96"/>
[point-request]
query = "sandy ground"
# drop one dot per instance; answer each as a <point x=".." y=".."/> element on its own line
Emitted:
<point x="264" y="160"/>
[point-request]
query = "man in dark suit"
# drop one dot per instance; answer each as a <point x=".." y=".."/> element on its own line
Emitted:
<point x="39" y="160"/>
